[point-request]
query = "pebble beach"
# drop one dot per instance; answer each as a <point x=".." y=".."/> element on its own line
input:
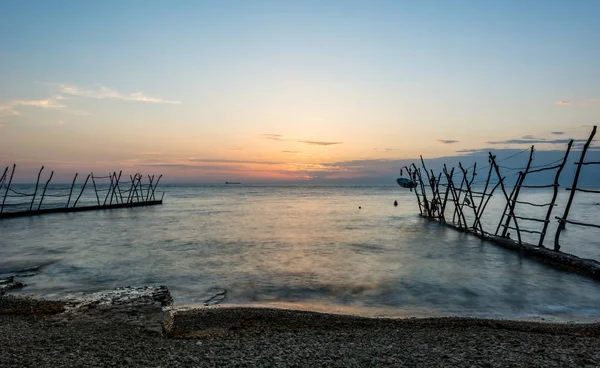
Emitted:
<point x="38" y="333"/>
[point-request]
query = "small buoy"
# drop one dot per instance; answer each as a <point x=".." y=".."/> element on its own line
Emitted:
<point x="395" y="203"/>
<point x="359" y="207"/>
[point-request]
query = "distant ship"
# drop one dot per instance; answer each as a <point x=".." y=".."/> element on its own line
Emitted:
<point x="231" y="182"/>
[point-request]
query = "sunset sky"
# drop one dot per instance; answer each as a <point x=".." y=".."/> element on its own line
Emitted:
<point x="265" y="91"/>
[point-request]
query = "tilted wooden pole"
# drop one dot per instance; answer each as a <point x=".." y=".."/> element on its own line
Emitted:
<point x="8" y="186"/>
<point x="45" y="187"/>
<point x="36" y="188"/>
<point x="493" y="159"/>
<point x="554" y="195"/>
<point x="562" y="220"/>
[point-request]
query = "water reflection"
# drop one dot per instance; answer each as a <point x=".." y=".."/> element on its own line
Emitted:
<point x="294" y="246"/>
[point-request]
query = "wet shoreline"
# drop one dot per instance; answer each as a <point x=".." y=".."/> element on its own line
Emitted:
<point x="123" y="330"/>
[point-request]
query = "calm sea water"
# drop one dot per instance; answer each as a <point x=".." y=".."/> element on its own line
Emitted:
<point x="305" y="247"/>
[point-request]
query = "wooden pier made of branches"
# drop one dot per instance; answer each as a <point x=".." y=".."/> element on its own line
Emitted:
<point x="452" y="198"/>
<point x="96" y="192"/>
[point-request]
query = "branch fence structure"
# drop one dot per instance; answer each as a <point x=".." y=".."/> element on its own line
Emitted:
<point x="96" y="193"/>
<point x="451" y="199"/>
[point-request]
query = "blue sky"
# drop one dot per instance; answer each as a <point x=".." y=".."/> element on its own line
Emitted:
<point x="274" y="90"/>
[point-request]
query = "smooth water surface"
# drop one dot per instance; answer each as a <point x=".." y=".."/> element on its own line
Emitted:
<point x="302" y="246"/>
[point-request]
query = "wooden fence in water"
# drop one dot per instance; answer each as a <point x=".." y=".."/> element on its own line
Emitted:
<point x="436" y="194"/>
<point x="104" y="192"/>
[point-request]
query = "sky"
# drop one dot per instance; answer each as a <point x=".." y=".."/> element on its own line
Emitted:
<point x="290" y="91"/>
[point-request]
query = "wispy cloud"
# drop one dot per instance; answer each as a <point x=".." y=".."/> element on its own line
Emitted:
<point x="108" y="93"/>
<point x="291" y="152"/>
<point x="51" y="103"/>
<point x="279" y="137"/>
<point x="221" y="161"/>
<point x="447" y="141"/>
<point x="558" y="133"/>
<point x="274" y="137"/>
<point x="580" y="103"/>
<point x="384" y="149"/>
<point x="536" y="141"/>
<point x="318" y="143"/>
<point x="7" y="110"/>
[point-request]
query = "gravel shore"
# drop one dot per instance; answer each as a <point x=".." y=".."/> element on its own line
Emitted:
<point x="37" y="333"/>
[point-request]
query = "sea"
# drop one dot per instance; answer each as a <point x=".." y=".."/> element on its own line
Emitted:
<point x="341" y="249"/>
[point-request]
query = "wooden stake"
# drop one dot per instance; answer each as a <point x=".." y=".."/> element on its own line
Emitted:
<point x="8" y="186"/>
<point x="95" y="189"/>
<point x="562" y="220"/>
<point x="470" y="193"/>
<point x="554" y="195"/>
<point x="520" y="182"/>
<point x="71" y="191"/>
<point x="493" y="159"/>
<point x="36" y="188"/>
<point x="82" y="189"/>
<point x="44" y="192"/>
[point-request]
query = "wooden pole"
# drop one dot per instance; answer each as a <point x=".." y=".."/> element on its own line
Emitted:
<point x="110" y="189"/>
<point x="156" y="184"/>
<point x="130" y="193"/>
<point x="562" y="220"/>
<point x="3" y="178"/>
<point x="446" y="196"/>
<point x="82" y="189"/>
<point x="473" y="206"/>
<point x="554" y="195"/>
<point x="139" y="179"/>
<point x="408" y="170"/>
<point x="118" y="188"/>
<point x="431" y="184"/>
<point x="506" y="206"/>
<point x="44" y="192"/>
<point x="493" y="159"/>
<point x="462" y="182"/>
<point x="95" y="189"/>
<point x="456" y="199"/>
<point x="150" y="179"/>
<point x="423" y="192"/>
<point x="483" y="197"/>
<point x="36" y="188"/>
<point x="520" y="182"/>
<point x="71" y="191"/>
<point x="8" y="186"/>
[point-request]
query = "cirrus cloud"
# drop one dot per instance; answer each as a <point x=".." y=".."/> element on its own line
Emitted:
<point x="103" y="93"/>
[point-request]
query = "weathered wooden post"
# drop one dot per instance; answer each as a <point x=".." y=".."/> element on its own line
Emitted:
<point x="423" y="192"/>
<point x="150" y="180"/>
<point x="71" y="191"/>
<point x="517" y="191"/>
<point x="456" y="199"/>
<point x="8" y="186"/>
<point x="82" y="189"/>
<point x="431" y="184"/>
<point x="118" y="188"/>
<point x="155" y="184"/>
<point x="95" y="189"/>
<point x="408" y="170"/>
<point x="479" y="213"/>
<point x="470" y="194"/>
<point x="3" y="177"/>
<point x="36" y="188"/>
<point x="563" y="219"/>
<point x="462" y="183"/>
<point x="44" y="192"/>
<point x="554" y="195"/>
<point x="110" y="189"/>
<point x="446" y="195"/>
<point x="493" y="159"/>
